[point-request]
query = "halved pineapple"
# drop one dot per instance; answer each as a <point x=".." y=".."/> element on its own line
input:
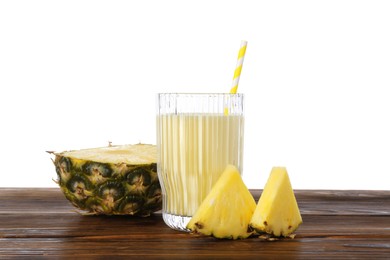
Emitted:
<point x="226" y="210"/>
<point x="111" y="180"/>
<point x="277" y="211"/>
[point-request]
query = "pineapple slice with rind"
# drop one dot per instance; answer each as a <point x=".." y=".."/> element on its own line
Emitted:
<point x="113" y="180"/>
<point x="226" y="210"/>
<point x="277" y="211"/>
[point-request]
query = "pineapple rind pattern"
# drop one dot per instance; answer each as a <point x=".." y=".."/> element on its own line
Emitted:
<point x="109" y="188"/>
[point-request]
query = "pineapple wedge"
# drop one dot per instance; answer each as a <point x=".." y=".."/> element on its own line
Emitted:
<point x="277" y="211"/>
<point x="226" y="210"/>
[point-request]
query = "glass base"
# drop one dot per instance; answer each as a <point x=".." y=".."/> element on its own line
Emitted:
<point x="176" y="222"/>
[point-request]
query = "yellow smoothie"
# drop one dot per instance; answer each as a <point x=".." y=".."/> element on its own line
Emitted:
<point x="194" y="150"/>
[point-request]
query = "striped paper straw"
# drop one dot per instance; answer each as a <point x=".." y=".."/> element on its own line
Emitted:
<point x="237" y="72"/>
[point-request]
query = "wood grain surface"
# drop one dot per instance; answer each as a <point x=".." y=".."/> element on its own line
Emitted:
<point x="41" y="223"/>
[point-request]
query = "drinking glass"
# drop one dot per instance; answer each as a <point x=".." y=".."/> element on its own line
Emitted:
<point x="198" y="135"/>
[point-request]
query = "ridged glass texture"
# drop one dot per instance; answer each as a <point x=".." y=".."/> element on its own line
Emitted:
<point x="198" y="135"/>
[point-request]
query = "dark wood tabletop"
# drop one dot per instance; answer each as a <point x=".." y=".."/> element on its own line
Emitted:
<point x="40" y="222"/>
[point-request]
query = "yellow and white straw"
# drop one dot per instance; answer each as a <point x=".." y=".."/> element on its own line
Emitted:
<point x="237" y="72"/>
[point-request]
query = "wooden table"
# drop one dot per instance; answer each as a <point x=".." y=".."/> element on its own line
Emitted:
<point x="35" y="223"/>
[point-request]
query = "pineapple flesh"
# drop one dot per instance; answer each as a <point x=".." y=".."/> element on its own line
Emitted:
<point x="277" y="211"/>
<point x="226" y="210"/>
<point x="113" y="180"/>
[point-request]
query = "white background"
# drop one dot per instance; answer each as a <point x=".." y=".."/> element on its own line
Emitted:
<point x="78" y="74"/>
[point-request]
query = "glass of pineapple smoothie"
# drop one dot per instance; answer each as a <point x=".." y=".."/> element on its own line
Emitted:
<point x="197" y="136"/>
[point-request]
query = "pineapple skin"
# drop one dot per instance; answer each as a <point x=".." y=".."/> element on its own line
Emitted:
<point x="226" y="211"/>
<point x="277" y="211"/>
<point x="109" y="188"/>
